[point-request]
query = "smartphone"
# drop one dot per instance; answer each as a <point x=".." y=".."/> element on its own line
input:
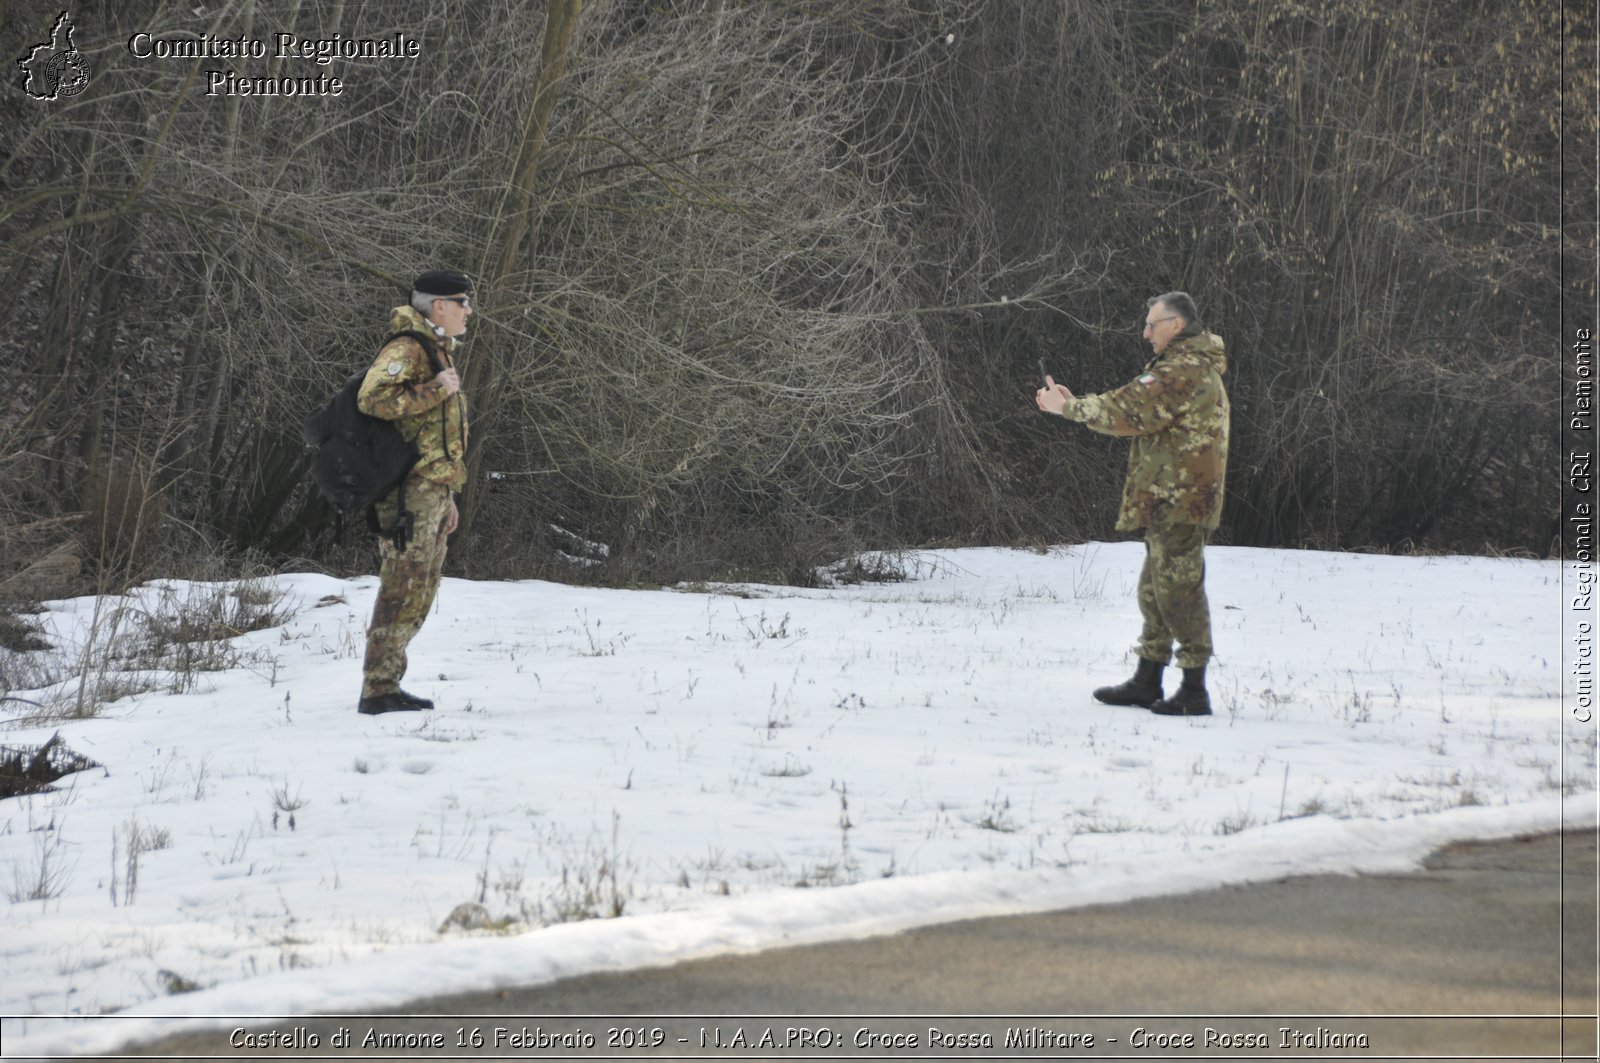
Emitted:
<point x="1044" y="375"/>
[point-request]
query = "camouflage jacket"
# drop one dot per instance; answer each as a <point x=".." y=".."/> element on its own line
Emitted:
<point x="1176" y="412"/>
<point x="399" y="387"/>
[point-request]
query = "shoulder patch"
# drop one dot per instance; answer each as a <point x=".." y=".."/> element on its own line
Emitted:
<point x="1148" y="379"/>
<point x="395" y="368"/>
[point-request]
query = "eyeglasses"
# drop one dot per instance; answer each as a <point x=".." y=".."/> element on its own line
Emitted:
<point x="1148" y="325"/>
<point x="464" y="300"/>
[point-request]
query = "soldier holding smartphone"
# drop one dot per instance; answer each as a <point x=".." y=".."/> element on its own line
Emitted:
<point x="1176" y="415"/>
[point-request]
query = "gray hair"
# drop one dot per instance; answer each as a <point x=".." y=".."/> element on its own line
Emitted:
<point x="422" y="302"/>
<point x="1176" y="303"/>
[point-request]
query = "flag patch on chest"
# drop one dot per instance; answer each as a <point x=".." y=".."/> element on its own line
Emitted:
<point x="1148" y="379"/>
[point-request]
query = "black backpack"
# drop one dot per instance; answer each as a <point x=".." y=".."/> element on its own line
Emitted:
<point x="360" y="458"/>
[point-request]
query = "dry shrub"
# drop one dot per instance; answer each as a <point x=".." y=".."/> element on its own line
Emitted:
<point x="122" y="523"/>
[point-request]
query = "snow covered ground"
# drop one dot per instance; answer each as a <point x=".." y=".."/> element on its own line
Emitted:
<point x="732" y="767"/>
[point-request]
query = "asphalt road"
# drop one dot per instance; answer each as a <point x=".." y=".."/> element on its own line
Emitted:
<point x="1489" y="953"/>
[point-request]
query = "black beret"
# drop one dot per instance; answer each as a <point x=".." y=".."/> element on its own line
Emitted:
<point x="443" y="282"/>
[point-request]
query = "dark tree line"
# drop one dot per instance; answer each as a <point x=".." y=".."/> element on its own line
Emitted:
<point x="762" y="282"/>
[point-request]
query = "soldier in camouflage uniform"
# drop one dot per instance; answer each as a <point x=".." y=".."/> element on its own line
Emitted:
<point x="1176" y="413"/>
<point x="420" y="393"/>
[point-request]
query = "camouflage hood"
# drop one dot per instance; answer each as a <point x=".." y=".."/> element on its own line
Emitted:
<point x="410" y="319"/>
<point x="1197" y="346"/>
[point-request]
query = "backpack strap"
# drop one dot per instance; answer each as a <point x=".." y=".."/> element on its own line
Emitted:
<point x="401" y="531"/>
<point x="428" y="343"/>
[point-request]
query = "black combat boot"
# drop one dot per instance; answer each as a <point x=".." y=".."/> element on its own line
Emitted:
<point x="1191" y="698"/>
<point x="1143" y="690"/>
<point x="382" y="703"/>
<point x="410" y="698"/>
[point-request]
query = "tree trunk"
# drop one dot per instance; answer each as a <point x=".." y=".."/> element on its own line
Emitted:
<point x="485" y="366"/>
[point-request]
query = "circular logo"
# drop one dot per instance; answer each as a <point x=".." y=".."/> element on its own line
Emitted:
<point x="67" y="73"/>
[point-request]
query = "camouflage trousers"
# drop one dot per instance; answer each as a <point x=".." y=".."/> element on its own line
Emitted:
<point x="407" y="583"/>
<point x="1172" y="596"/>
